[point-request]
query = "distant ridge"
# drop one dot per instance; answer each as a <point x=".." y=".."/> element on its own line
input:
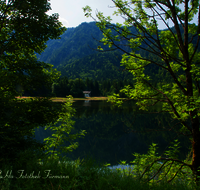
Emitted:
<point x="75" y="55"/>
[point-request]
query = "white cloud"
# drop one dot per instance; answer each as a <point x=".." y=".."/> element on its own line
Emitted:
<point x="64" y="22"/>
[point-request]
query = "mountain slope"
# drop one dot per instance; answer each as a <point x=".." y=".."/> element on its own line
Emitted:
<point x="99" y="66"/>
<point x="75" y="55"/>
<point x="75" y="43"/>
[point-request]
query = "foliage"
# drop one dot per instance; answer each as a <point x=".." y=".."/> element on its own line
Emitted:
<point x="174" y="52"/>
<point x="98" y="66"/>
<point x="25" y="28"/>
<point x="21" y="37"/>
<point x="153" y="168"/>
<point x="18" y="121"/>
<point x="80" y="174"/>
<point x="61" y="130"/>
<point x="64" y="86"/>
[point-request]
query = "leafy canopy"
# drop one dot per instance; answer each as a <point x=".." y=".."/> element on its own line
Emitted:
<point x="25" y="28"/>
<point x="173" y="52"/>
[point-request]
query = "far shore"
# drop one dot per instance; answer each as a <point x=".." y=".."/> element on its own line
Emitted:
<point x="62" y="99"/>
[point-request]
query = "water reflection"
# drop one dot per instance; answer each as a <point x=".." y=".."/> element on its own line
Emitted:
<point x="113" y="134"/>
<point x="86" y="103"/>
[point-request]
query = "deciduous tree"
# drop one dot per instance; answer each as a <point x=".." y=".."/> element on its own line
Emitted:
<point x="173" y="51"/>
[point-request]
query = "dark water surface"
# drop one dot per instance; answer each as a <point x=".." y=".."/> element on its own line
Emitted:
<point x="113" y="134"/>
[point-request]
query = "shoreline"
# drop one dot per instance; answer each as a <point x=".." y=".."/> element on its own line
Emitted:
<point x="62" y="99"/>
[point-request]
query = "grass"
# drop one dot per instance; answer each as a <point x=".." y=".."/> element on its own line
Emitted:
<point x="77" y="175"/>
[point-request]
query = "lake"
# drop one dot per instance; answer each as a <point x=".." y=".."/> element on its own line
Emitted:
<point x="114" y="134"/>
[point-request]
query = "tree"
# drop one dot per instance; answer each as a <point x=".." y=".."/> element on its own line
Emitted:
<point x="25" y="28"/>
<point x="62" y="126"/>
<point x="96" y="91"/>
<point x="174" y="52"/>
<point x="77" y="88"/>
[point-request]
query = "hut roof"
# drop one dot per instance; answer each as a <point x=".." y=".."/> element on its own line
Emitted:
<point x="86" y="92"/>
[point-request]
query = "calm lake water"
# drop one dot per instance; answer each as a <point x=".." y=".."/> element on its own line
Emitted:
<point x="114" y="134"/>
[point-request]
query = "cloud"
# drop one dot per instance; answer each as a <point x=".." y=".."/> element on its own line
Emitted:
<point x="64" y="22"/>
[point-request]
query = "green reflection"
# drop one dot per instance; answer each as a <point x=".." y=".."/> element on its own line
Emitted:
<point x="113" y="133"/>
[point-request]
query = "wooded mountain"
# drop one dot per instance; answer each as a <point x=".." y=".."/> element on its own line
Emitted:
<point x="76" y="55"/>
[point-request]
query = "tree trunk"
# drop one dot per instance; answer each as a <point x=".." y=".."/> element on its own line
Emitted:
<point x="195" y="147"/>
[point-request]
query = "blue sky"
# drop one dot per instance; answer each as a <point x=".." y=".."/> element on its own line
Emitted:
<point x="71" y="12"/>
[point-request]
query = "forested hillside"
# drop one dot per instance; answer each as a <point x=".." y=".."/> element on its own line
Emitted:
<point x="99" y="66"/>
<point x="74" y="44"/>
<point x="75" y="55"/>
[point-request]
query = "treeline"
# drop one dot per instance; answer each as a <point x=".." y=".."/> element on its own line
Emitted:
<point x="99" y="66"/>
<point x="75" y="87"/>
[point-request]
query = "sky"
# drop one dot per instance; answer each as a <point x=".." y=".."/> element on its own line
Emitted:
<point x="71" y="13"/>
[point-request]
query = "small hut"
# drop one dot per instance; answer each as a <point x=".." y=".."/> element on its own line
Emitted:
<point x="86" y="93"/>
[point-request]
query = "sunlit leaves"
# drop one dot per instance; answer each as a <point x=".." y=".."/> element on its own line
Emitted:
<point x="61" y="132"/>
<point x="174" y="50"/>
<point x="169" y="43"/>
<point x="151" y="167"/>
<point x="87" y="10"/>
